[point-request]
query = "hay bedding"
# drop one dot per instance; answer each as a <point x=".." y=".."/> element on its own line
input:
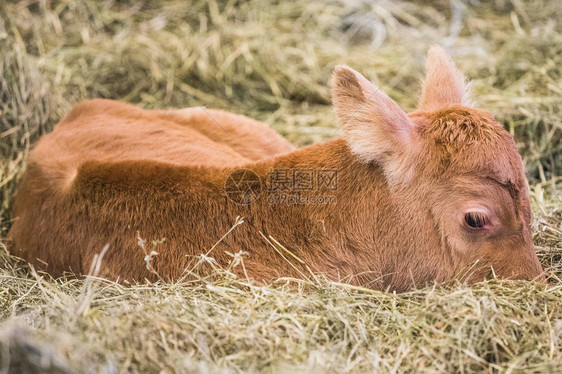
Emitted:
<point x="272" y="61"/>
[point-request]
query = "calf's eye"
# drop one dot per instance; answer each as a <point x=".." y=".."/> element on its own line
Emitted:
<point x="475" y="220"/>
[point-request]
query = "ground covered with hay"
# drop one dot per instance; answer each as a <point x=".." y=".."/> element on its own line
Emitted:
<point x="272" y="60"/>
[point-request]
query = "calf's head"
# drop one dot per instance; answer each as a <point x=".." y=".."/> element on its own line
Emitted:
<point x="458" y="165"/>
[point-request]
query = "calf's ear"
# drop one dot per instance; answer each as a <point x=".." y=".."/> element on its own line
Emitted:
<point x="374" y="126"/>
<point x="444" y="85"/>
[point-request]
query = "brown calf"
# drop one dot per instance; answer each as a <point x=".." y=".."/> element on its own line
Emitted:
<point x="400" y="200"/>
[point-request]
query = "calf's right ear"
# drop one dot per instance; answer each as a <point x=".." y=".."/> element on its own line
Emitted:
<point x="374" y="126"/>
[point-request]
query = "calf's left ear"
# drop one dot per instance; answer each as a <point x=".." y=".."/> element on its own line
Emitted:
<point x="374" y="126"/>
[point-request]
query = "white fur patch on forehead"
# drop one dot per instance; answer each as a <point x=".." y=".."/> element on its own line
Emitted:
<point x="444" y="85"/>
